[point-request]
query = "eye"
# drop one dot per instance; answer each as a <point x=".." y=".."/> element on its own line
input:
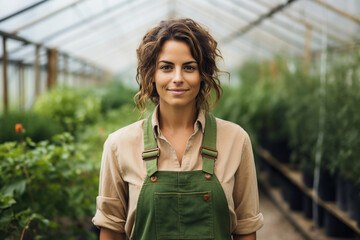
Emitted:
<point x="189" y="68"/>
<point x="166" y="67"/>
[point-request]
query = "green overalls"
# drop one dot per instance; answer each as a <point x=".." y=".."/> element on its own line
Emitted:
<point x="182" y="205"/>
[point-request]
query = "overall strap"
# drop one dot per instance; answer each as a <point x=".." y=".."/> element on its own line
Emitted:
<point x="151" y="150"/>
<point x="208" y="149"/>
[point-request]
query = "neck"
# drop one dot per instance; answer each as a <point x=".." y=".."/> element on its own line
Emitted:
<point x="177" y="118"/>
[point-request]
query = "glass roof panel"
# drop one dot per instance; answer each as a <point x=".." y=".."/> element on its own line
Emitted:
<point x="10" y="7"/>
<point x="31" y="15"/>
<point x="108" y="32"/>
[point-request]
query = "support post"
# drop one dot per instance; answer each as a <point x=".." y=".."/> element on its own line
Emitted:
<point x="66" y="70"/>
<point x="5" y="86"/>
<point x="51" y="67"/>
<point x="37" y="71"/>
<point x="21" y="86"/>
<point x="83" y="73"/>
<point x="307" y="48"/>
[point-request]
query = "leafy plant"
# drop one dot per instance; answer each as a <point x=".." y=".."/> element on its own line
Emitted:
<point x="114" y="95"/>
<point x="38" y="127"/>
<point x="46" y="188"/>
<point x="70" y="107"/>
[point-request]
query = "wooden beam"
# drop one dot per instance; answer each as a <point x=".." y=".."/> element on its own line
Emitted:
<point x="83" y="74"/>
<point x="338" y="11"/>
<point x="21" y="86"/>
<point x="5" y="85"/>
<point x="15" y="37"/>
<point x="307" y="48"/>
<point x="37" y="71"/>
<point x="52" y="67"/>
<point x="65" y="69"/>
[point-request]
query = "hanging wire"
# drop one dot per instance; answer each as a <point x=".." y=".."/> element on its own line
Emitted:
<point x="322" y="115"/>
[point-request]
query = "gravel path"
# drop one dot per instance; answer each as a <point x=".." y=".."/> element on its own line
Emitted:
<point x="276" y="226"/>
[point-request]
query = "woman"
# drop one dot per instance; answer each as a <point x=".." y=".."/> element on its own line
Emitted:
<point x="181" y="173"/>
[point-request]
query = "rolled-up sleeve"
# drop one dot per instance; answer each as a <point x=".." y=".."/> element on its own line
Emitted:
<point x="246" y="196"/>
<point x="111" y="204"/>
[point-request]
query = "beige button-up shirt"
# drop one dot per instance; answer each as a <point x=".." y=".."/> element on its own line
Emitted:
<point x="123" y="172"/>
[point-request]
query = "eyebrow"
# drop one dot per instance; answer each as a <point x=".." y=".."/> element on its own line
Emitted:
<point x="168" y="62"/>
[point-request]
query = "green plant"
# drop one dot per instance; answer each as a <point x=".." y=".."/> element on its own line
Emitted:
<point x="114" y="95"/>
<point x="46" y="188"/>
<point x="71" y="107"/>
<point x="343" y="97"/>
<point x="38" y="127"/>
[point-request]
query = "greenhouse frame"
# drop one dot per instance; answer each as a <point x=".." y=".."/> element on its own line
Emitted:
<point x="293" y="84"/>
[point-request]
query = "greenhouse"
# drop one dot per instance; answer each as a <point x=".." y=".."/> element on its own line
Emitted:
<point x="290" y="77"/>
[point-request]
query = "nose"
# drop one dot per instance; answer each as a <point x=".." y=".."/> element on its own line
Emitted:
<point x="178" y="77"/>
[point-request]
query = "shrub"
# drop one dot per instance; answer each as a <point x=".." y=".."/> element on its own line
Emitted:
<point x="46" y="188"/>
<point x="114" y="95"/>
<point x="38" y="127"/>
<point x="72" y="108"/>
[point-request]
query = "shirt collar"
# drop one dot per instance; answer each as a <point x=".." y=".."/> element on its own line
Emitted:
<point x="199" y="123"/>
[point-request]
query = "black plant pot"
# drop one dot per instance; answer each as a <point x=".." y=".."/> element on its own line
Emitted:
<point x="285" y="188"/>
<point x="264" y="140"/>
<point x="318" y="215"/>
<point x="341" y="193"/>
<point x="281" y="151"/>
<point x="307" y="206"/>
<point x="261" y="163"/>
<point x="335" y="228"/>
<point x="274" y="176"/>
<point x="353" y="200"/>
<point x="326" y="189"/>
<point x="295" y="197"/>
<point x="308" y="177"/>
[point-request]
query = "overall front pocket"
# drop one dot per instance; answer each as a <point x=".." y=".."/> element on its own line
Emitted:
<point x="184" y="215"/>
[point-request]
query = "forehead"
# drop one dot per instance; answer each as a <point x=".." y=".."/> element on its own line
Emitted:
<point x="177" y="50"/>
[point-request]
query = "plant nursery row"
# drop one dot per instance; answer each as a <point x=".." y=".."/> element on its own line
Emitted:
<point x="309" y="121"/>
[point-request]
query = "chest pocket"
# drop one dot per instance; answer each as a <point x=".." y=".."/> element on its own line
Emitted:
<point x="184" y="215"/>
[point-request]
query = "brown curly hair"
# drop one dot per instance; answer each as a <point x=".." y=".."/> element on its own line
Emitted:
<point x="203" y="48"/>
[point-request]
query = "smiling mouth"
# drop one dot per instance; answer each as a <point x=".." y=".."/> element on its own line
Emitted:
<point x="178" y="91"/>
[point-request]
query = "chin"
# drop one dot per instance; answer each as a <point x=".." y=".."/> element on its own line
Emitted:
<point x="179" y="103"/>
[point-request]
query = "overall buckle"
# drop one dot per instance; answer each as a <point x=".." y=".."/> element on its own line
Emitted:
<point x="209" y="152"/>
<point x="150" y="154"/>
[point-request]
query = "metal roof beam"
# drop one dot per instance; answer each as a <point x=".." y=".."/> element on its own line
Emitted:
<point x="82" y="22"/>
<point x="86" y="20"/>
<point x="305" y="23"/>
<point x="45" y="17"/>
<point x="231" y="23"/>
<point x="277" y="35"/>
<point x="100" y="27"/>
<point x="258" y="45"/>
<point x="22" y="10"/>
<point x="284" y="25"/>
<point x="338" y="11"/>
<point x="245" y="29"/>
<point x="319" y="21"/>
<point x="71" y="39"/>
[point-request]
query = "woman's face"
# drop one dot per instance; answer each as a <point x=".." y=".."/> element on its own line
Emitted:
<point x="177" y="76"/>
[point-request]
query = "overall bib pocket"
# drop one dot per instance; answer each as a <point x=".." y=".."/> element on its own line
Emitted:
<point x="184" y="215"/>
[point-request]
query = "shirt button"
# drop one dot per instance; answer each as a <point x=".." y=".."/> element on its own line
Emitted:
<point x="153" y="178"/>
<point x="208" y="176"/>
<point x="206" y="197"/>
